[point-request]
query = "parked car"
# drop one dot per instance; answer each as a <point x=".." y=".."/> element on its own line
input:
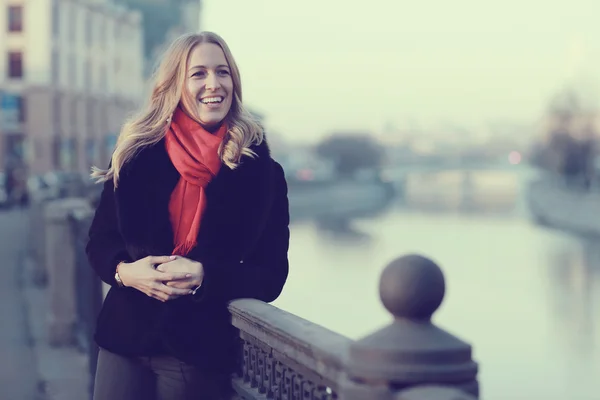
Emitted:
<point x="38" y="187"/>
<point x="63" y="184"/>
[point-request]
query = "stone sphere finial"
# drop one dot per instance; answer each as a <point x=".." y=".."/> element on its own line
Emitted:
<point x="412" y="287"/>
<point x="411" y="351"/>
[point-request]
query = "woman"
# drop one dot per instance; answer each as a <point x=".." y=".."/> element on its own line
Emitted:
<point x="193" y="214"/>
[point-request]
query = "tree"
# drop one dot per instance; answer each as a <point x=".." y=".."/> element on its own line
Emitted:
<point x="350" y="153"/>
<point x="567" y="145"/>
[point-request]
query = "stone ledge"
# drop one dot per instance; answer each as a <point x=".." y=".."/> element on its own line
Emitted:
<point x="63" y="371"/>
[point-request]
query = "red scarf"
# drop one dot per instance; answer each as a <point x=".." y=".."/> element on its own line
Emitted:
<point x="194" y="153"/>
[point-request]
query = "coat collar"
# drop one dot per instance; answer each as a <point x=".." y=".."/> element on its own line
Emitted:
<point x="238" y="202"/>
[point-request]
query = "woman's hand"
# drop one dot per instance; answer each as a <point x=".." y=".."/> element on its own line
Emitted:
<point x="183" y="265"/>
<point x="142" y="276"/>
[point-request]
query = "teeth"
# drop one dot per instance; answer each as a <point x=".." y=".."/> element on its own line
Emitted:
<point x="212" y="100"/>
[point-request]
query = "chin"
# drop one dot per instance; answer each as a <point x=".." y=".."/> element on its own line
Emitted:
<point x="212" y="119"/>
<point x="211" y="123"/>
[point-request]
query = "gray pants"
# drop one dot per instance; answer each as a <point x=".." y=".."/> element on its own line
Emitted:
<point x="155" y="378"/>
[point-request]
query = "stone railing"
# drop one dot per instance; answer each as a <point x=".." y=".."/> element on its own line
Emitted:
<point x="283" y="356"/>
<point x="287" y="357"/>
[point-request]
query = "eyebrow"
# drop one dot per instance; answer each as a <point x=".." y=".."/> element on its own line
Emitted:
<point x="205" y="67"/>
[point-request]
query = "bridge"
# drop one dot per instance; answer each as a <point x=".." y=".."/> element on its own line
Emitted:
<point x="398" y="169"/>
<point x="460" y="185"/>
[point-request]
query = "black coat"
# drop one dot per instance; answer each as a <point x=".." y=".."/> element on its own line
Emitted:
<point x="242" y="244"/>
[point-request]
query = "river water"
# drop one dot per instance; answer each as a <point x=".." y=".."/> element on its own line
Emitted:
<point x="526" y="297"/>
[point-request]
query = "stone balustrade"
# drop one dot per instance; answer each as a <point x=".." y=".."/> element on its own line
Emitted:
<point x="287" y="357"/>
<point x="284" y="356"/>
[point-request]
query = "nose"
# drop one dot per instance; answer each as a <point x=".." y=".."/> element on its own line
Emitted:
<point x="212" y="82"/>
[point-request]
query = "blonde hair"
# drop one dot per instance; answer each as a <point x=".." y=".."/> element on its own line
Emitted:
<point x="149" y="125"/>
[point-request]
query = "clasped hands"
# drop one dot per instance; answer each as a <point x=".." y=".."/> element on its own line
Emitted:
<point x="162" y="277"/>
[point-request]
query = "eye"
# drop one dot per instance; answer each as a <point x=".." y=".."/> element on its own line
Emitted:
<point x="223" y="72"/>
<point x="198" y="74"/>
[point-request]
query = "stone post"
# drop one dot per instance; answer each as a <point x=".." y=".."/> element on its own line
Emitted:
<point x="37" y="243"/>
<point x="411" y="359"/>
<point x="60" y="264"/>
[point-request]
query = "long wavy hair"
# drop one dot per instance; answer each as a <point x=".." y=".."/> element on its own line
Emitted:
<point x="149" y="125"/>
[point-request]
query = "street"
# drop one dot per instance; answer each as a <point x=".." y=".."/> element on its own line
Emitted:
<point x="18" y="370"/>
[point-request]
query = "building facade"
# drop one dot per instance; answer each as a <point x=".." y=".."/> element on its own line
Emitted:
<point x="70" y="72"/>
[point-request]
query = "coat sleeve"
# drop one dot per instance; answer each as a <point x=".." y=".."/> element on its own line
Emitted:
<point x="106" y="248"/>
<point x="264" y="272"/>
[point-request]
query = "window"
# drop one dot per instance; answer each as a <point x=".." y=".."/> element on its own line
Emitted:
<point x="89" y="113"/>
<point x="90" y="151"/>
<point x="88" y="29"/>
<point x="101" y="117"/>
<point x="55" y="67"/>
<point x="15" y="147"/>
<point x="103" y="78"/>
<point x="57" y="114"/>
<point x="72" y="66"/>
<point x="72" y="23"/>
<point x="111" y="143"/>
<point x="74" y="114"/>
<point x="87" y="75"/>
<point x="68" y="154"/>
<point x="22" y="108"/>
<point x="15" y="64"/>
<point x="56" y="152"/>
<point x="13" y="112"/>
<point x="15" y="18"/>
<point x="102" y="32"/>
<point x="55" y="19"/>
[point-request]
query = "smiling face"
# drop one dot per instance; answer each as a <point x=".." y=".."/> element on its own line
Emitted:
<point x="208" y="91"/>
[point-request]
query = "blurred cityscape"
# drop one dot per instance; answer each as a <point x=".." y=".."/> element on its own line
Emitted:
<point x="72" y="71"/>
<point x="510" y="209"/>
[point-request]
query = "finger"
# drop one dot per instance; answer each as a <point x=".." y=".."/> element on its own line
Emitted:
<point x="171" y="291"/>
<point x="156" y="288"/>
<point x="164" y="267"/>
<point x="153" y="295"/>
<point x="160" y="259"/>
<point x="171" y="276"/>
<point x="180" y="284"/>
<point x="160" y="295"/>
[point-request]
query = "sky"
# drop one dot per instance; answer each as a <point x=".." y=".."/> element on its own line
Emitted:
<point x="318" y="66"/>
